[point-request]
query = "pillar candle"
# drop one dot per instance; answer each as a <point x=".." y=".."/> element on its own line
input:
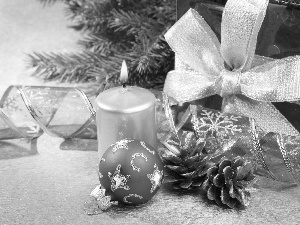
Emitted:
<point x="125" y="112"/>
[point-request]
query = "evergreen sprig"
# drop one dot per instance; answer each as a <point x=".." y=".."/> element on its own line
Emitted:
<point x="115" y="30"/>
<point x="64" y="67"/>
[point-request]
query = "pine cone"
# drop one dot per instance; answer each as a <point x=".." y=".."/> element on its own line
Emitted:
<point x="226" y="182"/>
<point x="186" y="169"/>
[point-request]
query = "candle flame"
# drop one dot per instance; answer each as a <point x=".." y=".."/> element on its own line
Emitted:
<point x="124" y="72"/>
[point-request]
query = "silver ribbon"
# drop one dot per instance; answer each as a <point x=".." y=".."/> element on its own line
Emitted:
<point x="248" y="83"/>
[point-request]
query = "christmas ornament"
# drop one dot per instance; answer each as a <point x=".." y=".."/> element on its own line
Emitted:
<point x="98" y="202"/>
<point x="131" y="171"/>
<point x="226" y="182"/>
<point x="186" y="169"/>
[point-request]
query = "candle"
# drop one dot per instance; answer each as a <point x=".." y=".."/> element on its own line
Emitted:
<point x="125" y="112"/>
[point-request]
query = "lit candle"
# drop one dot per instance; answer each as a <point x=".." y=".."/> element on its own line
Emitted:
<point x="125" y="112"/>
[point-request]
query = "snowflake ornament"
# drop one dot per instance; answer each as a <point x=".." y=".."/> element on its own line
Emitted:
<point x="11" y="104"/>
<point x="215" y="123"/>
<point x="215" y="127"/>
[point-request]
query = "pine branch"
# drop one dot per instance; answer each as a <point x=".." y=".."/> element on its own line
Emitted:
<point x="117" y="30"/>
<point x="133" y="23"/>
<point x="90" y="14"/>
<point x="50" y="2"/>
<point x="65" y="68"/>
<point x="103" y="45"/>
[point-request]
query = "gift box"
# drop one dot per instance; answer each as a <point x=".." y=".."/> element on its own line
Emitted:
<point x="257" y="42"/>
<point x="213" y="135"/>
<point x="279" y="33"/>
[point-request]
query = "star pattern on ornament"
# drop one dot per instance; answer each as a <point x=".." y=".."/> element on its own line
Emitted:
<point x="131" y="195"/>
<point x="121" y="144"/>
<point x="118" y="180"/>
<point x="145" y="147"/>
<point x="134" y="167"/>
<point x="155" y="178"/>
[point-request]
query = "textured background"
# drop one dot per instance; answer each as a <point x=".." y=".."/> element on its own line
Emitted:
<point x="28" y="26"/>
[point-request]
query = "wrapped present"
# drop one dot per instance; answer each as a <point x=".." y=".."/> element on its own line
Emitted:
<point x="216" y="135"/>
<point x="248" y="59"/>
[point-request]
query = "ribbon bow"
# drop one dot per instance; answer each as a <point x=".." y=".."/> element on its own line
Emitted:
<point x="248" y="83"/>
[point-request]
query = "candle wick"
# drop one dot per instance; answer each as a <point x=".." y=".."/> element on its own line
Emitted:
<point x="124" y="85"/>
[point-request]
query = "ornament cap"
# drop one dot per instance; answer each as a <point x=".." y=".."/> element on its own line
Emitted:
<point x="103" y="202"/>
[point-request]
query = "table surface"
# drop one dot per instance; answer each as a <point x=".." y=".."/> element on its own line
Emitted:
<point x="51" y="185"/>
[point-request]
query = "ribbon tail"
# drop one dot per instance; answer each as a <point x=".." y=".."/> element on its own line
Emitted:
<point x="274" y="81"/>
<point x="289" y="147"/>
<point x="268" y="118"/>
<point x="169" y="116"/>
<point x="280" y="156"/>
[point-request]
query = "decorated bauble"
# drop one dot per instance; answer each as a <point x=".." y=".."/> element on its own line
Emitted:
<point x="131" y="171"/>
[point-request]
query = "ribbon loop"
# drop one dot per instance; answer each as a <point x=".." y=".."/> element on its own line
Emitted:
<point x="241" y="22"/>
<point x="229" y="83"/>
<point x="263" y="80"/>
